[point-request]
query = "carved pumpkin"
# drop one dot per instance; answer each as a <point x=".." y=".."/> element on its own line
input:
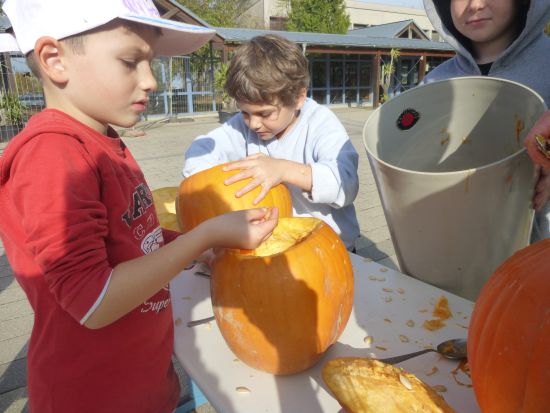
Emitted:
<point x="509" y="335"/>
<point x="281" y="306"/>
<point x="165" y="206"/>
<point x="204" y="195"/>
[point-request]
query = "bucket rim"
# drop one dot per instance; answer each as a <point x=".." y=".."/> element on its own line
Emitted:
<point x="459" y="171"/>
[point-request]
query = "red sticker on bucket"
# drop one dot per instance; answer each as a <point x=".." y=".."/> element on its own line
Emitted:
<point x="407" y="119"/>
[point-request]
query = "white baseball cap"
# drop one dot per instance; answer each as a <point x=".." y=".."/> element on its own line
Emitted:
<point x="32" y="19"/>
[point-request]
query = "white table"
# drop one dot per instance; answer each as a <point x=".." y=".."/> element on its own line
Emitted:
<point x="385" y="300"/>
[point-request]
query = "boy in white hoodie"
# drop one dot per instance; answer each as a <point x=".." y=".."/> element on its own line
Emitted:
<point x="281" y="136"/>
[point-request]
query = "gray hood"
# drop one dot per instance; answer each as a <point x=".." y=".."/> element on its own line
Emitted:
<point x="439" y="13"/>
<point x="525" y="61"/>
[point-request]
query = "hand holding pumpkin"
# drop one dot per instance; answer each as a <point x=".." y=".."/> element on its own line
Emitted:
<point x="542" y="188"/>
<point x="267" y="172"/>
<point x="204" y="195"/>
<point x="244" y="229"/>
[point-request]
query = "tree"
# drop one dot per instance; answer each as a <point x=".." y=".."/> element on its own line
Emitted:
<point x="547" y="29"/>
<point x="386" y="73"/>
<point x="226" y="13"/>
<point x="321" y="16"/>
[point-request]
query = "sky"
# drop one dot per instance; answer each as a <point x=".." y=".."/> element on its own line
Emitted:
<point x="417" y="4"/>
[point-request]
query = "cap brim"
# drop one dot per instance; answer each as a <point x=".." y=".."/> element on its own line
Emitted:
<point x="8" y="43"/>
<point x="177" y="38"/>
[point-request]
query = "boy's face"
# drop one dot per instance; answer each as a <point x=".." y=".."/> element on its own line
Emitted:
<point x="486" y="22"/>
<point x="109" y="82"/>
<point x="271" y="120"/>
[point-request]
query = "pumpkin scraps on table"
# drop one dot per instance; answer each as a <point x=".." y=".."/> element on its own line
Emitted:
<point x="363" y="385"/>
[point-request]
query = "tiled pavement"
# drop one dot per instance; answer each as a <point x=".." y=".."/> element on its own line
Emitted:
<point x="160" y="155"/>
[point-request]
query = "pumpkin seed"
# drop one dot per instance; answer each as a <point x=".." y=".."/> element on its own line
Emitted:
<point x="405" y="382"/>
<point x="433" y="371"/>
<point x="439" y="388"/>
<point x="242" y="389"/>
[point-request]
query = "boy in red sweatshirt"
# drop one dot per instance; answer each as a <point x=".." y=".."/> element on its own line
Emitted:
<point x="78" y="221"/>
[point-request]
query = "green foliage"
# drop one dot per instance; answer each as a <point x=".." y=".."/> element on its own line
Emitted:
<point x="220" y="76"/>
<point x="226" y="13"/>
<point x="386" y="72"/>
<point x="12" y="110"/>
<point x="321" y="16"/>
<point x="547" y="29"/>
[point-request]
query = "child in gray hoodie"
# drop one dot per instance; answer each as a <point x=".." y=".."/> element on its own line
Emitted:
<point x="498" y="38"/>
<point x="504" y="39"/>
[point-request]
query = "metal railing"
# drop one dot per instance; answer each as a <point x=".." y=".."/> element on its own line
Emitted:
<point x="185" y="85"/>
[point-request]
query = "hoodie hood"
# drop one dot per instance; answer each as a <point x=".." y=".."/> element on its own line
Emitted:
<point x="439" y="13"/>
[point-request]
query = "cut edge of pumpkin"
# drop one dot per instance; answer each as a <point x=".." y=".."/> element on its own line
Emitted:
<point x="289" y="232"/>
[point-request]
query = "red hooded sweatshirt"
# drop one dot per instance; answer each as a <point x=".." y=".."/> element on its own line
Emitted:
<point x="75" y="204"/>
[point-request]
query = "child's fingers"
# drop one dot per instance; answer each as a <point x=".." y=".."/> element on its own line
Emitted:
<point x="247" y="188"/>
<point x="542" y="128"/>
<point x="259" y="215"/>
<point x="238" y="177"/>
<point x="242" y="164"/>
<point x="233" y="166"/>
<point x="272" y="214"/>
<point x="536" y="155"/>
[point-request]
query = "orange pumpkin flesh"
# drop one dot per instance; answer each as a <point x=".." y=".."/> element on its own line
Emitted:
<point x="282" y="305"/>
<point x="165" y="206"/>
<point x="509" y="335"/>
<point x="204" y="195"/>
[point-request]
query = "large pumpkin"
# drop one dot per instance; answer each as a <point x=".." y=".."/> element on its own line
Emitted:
<point x="509" y="335"/>
<point x="204" y="195"/>
<point x="281" y="306"/>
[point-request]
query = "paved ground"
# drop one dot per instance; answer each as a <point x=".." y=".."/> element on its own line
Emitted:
<point x="160" y="155"/>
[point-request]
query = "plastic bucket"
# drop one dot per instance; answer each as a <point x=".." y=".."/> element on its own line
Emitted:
<point x="454" y="179"/>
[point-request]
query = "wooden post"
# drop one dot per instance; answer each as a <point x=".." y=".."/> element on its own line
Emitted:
<point x="422" y="68"/>
<point x="376" y="73"/>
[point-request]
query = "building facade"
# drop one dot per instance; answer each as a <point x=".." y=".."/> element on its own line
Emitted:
<point x="273" y="13"/>
<point x="345" y="69"/>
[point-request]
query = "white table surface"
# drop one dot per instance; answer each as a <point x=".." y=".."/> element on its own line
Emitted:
<point x="384" y="301"/>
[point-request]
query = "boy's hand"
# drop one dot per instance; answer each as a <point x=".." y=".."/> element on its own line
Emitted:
<point x="542" y="188"/>
<point x="265" y="171"/>
<point x="241" y="229"/>
<point x="541" y="128"/>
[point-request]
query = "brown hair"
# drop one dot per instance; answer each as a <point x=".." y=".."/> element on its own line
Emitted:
<point x="267" y="69"/>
